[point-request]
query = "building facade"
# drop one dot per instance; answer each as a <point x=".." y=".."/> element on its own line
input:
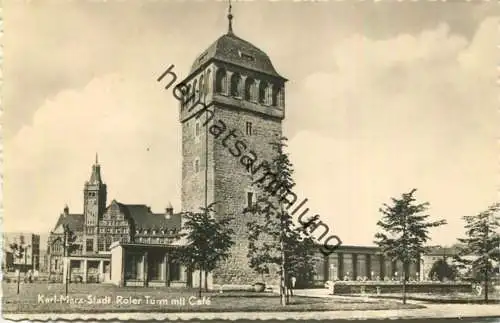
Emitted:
<point x="30" y="259"/>
<point x="222" y="146"/>
<point x="82" y="252"/>
<point x="360" y="263"/>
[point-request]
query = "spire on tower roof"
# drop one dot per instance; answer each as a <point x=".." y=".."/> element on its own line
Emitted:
<point x="230" y="18"/>
<point x="95" y="177"/>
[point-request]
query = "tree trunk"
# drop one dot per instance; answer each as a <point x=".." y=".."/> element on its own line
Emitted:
<point x="206" y="281"/>
<point x="200" y="280"/>
<point x="404" y="284"/>
<point x="283" y="299"/>
<point x="68" y="272"/>
<point x="18" y="279"/>
<point x="486" y="283"/>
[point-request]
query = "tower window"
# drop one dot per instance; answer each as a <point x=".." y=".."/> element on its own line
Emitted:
<point x="236" y="84"/>
<point x="196" y="165"/>
<point x="197" y="129"/>
<point x="248" y="129"/>
<point x="250" y="197"/>
<point x="221" y="81"/>
<point x="89" y="246"/>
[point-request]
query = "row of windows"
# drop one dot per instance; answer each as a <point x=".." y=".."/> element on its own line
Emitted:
<point x="151" y="240"/>
<point x="103" y="244"/>
<point x="113" y="230"/>
<point x="248" y="88"/>
<point x="156" y="231"/>
<point x="119" y="221"/>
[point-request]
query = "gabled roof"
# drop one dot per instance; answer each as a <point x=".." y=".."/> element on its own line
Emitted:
<point x="143" y="218"/>
<point x="74" y="221"/>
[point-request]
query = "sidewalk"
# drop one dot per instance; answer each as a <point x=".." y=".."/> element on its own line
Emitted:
<point x="432" y="311"/>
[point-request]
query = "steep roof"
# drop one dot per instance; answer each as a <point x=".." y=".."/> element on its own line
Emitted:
<point x="231" y="49"/>
<point x="143" y="218"/>
<point x="74" y="221"/>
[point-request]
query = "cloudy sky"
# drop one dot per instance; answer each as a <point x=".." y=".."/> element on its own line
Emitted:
<point x="382" y="98"/>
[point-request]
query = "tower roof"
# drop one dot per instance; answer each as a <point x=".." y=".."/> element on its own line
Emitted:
<point x="230" y="48"/>
<point x="95" y="177"/>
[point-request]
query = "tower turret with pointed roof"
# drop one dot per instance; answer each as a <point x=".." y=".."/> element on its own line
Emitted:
<point x="94" y="204"/>
<point x="245" y="100"/>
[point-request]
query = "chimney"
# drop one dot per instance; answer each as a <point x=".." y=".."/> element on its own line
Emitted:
<point x="66" y="210"/>
<point x="169" y="211"/>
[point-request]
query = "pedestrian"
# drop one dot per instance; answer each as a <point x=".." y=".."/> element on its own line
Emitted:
<point x="293" y="280"/>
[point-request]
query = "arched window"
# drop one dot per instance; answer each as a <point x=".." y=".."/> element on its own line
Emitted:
<point x="249" y="84"/>
<point x="262" y="93"/>
<point x="281" y="97"/>
<point x="274" y="95"/>
<point x="195" y="90"/>
<point x="268" y="95"/>
<point x="201" y="90"/>
<point x="187" y="95"/>
<point x="208" y="81"/>
<point x="221" y="81"/>
<point x="254" y="92"/>
<point x="235" y="85"/>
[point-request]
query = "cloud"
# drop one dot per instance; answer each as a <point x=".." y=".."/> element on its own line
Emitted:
<point x="408" y="111"/>
<point x="411" y="111"/>
<point x="132" y="125"/>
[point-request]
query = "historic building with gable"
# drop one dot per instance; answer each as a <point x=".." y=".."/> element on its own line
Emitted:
<point x="101" y="225"/>
<point x="242" y="108"/>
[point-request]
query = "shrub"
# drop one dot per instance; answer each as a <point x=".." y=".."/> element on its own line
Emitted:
<point x="441" y="270"/>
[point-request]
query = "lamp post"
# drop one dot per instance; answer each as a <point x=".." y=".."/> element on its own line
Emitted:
<point x="66" y="257"/>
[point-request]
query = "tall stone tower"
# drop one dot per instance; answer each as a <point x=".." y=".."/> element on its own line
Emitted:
<point x="244" y="94"/>
<point x="94" y="204"/>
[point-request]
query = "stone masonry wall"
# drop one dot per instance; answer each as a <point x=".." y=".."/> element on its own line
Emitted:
<point x="232" y="181"/>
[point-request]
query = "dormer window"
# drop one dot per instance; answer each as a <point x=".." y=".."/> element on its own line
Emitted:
<point x="246" y="56"/>
<point x="202" y="57"/>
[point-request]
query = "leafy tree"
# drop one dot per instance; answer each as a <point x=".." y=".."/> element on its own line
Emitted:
<point x="209" y="242"/>
<point x="405" y="231"/>
<point x="68" y="240"/>
<point x="442" y="270"/>
<point x="300" y="254"/>
<point x="481" y="246"/>
<point x="274" y="241"/>
<point x="18" y="251"/>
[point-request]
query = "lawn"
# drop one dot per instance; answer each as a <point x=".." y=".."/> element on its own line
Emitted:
<point x="95" y="298"/>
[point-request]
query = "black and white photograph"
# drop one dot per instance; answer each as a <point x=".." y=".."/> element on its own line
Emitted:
<point x="225" y="160"/>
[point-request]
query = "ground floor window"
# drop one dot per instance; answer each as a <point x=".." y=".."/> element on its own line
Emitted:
<point x="175" y="272"/>
<point x="133" y="267"/>
<point x="155" y="266"/>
